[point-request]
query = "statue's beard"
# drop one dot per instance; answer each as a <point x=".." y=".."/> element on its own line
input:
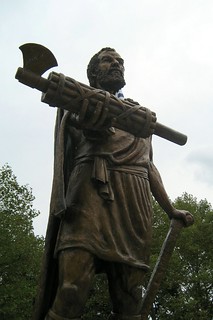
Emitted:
<point x="111" y="80"/>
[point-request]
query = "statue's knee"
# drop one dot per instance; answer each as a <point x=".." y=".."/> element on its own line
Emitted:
<point x="68" y="303"/>
<point x="68" y="292"/>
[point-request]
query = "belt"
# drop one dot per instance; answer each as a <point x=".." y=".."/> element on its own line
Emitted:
<point x="100" y="175"/>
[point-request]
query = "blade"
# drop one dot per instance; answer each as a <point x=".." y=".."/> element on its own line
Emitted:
<point x="37" y="58"/>
<point x="160" y="267"/>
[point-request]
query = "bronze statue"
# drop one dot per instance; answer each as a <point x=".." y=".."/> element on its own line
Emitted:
<point x="101" y="206"/>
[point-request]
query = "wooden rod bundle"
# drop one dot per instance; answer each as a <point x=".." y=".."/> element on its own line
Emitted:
<point x="67" y="93"/>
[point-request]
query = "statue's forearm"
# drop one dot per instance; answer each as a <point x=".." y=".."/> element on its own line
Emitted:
<point x="159" y="191"/>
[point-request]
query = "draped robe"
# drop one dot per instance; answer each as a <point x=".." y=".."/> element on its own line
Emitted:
<point x="100" y="201"/>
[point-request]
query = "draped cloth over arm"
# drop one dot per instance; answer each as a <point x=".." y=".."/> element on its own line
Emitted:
<point x="49" y="269"/>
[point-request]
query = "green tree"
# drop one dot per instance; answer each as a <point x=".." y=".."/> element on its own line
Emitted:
<point x="20" y="249"/>
<point x="187" y="290"/>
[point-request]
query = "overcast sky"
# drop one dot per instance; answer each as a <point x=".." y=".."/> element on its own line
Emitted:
<point x="167" y="46"/>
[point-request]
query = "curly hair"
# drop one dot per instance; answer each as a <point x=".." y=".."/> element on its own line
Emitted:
<point x="91" y="68"/>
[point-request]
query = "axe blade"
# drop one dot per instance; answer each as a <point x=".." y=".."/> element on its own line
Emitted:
<point x="37" y="58"/>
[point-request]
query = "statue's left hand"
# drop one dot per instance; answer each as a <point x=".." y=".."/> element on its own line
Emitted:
<point x="183" y="215"/>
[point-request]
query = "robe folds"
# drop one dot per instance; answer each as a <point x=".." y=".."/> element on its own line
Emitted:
<point x="100" y="201"/>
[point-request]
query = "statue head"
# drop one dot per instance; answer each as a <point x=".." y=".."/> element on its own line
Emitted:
<point x="106" y="70"/>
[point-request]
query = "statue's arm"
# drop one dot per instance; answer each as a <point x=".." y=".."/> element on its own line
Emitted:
<point x="160" y="194"/>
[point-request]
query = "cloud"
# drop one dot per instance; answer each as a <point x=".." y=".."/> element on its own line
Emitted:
<point x="201" y="160"/>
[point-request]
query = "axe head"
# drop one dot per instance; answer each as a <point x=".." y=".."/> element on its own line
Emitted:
<point x="37" y="58"/>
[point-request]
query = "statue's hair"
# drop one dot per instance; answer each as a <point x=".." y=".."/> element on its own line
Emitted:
<point x="91" y="68"/>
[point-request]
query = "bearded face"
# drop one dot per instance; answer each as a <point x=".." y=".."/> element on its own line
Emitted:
<point x="110" y="72"/>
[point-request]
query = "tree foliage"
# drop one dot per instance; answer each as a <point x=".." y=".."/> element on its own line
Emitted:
<point x="20" y="249"/>
<point x="187" y="290"/>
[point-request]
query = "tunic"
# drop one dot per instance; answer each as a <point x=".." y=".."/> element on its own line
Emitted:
<point x="108" y="198"/>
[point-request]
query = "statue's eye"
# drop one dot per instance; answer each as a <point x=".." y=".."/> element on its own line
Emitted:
<point x="107" y="59"/>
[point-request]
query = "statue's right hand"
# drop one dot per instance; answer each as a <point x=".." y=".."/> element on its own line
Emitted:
<point x="96" y="120"/>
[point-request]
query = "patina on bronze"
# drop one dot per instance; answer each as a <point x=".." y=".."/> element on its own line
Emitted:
<point x="100" y="213"/>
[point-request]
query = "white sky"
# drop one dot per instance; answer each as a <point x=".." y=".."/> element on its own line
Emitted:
<point x="167" y="46"/>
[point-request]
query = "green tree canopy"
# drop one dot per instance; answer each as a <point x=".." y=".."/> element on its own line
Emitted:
<point x="187" y="291"/>
<point x="20" y="249"/>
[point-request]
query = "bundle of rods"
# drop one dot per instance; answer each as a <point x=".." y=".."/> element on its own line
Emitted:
<point x="67" y="93"/>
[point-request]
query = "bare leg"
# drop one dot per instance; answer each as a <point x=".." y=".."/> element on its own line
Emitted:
<point x="125" y="290"/>
<point x="76" y="272"/>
